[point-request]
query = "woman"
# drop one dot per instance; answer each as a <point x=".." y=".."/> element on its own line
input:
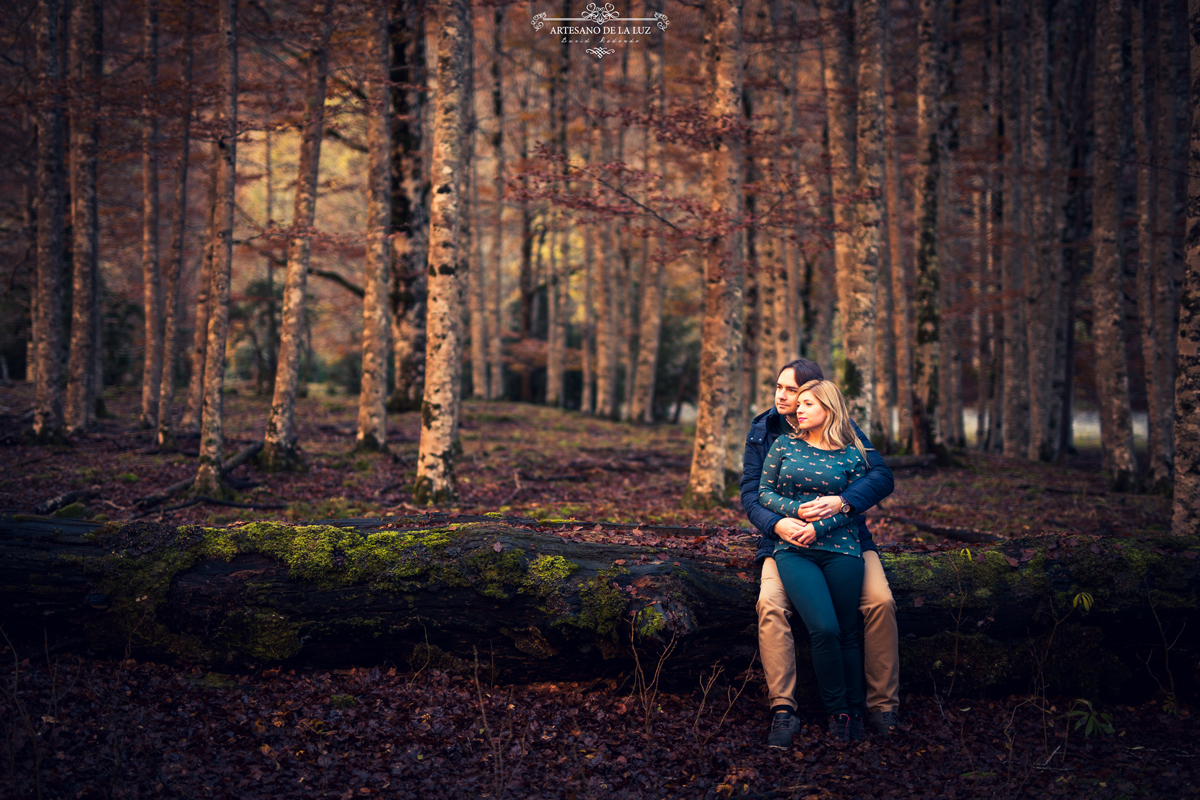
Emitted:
<point x="821" y="567"/>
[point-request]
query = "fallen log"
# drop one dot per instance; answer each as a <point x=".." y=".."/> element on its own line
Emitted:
<point x="1083" y="615"/>
<point x="968" y="535"/>
<point x="65" y="499"/>
<point x="229" y="465"/>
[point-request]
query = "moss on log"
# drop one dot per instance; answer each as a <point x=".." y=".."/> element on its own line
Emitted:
<point x="1080" y="614"/>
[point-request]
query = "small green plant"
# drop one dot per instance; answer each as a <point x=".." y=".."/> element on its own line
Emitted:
<point x="1083" y="599"/>
<point x="1089" y="719"/>
<point x="128" y="477"/>
<point x="342" y="701"/>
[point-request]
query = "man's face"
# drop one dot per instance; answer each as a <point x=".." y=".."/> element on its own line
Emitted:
<point x="787" y="393"/>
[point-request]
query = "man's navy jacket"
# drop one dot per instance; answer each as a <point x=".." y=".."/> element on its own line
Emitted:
<point x="861" y="495"/>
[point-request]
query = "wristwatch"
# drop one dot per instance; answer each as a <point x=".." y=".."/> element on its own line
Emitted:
<point x="847" y="509"/>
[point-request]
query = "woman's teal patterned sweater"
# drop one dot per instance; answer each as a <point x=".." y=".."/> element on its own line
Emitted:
<point x="795" y="472"/>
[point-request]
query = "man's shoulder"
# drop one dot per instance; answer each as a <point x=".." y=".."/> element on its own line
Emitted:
<point x="762" y="426"/>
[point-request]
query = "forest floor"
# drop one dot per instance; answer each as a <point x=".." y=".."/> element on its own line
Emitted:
<point x="85" y="727"/>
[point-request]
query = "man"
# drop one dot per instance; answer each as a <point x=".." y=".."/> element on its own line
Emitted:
<point x="775" y="643"/>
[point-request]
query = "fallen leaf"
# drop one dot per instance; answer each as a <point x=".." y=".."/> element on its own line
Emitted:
<point x="498" y="547"/>
<point x="918" y="602"/>
<point x="1012" y="562"/>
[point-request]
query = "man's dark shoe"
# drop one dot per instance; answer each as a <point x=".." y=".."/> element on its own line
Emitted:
<point x="885" y="723"/>
<point x="784" y="725"/>
<point x="846" y="728"/>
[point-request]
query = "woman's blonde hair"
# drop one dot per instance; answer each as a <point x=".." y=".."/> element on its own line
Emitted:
<point x="838" y="431"/>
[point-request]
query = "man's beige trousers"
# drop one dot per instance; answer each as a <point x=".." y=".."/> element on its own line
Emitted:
<point x="881" y="658"/>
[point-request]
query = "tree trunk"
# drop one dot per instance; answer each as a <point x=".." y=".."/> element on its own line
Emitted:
<point x="949" y="357"/>
<point x="545" y="606"/>
<point x="87" y="49"/>
<point x="1116" y="426"/>
<point x="440" y="408"/>
<point x="930" y="147"/>
<point x="410" y="205"/>
<point x="1014" y="431"/>
<point x="495" y="314"/>
<point x="837" y="50"/>
<point x="372" y="414"/>
<point x="901" y="296"/>
<point x="606" y="263"/>
<point x="864" y="343"/>
<point x="209" y="480"/>
<point x="166" y="391"/>
<point x="51" y="201"/>
<point x="558" y="292"/>
<point x="1187" y="364"/>
<point x="477" y="288"/>
<point x="279" y="442"/>
<point x="723" y="56"/>
<point x="1042" y="280"/>
<point x="194" y="406"/>
<point x="152" y="301"/>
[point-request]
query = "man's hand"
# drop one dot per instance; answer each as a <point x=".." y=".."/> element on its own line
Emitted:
<point x="821" y="508"/>
<point x="793" y="531"/>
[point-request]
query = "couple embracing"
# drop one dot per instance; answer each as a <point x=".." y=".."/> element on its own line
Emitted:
<point x="808" y="475"/>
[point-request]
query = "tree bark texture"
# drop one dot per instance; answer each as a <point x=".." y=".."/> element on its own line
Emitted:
<point x="606" y="267"/>
<point x="440" y="408"/>
<point x="949" y="358"/>
<point x="1041" y="288"/>
<point x="86" y="55"/>
<point x="51" y="201"/>
<point x="410" y="205"/>
<point x="1014" y="430"/>
<point x="723" y="56"/>
<point x="171" y="301"/>
<point x="901" y="296"/>
<point x="1186" y="519"/>
<point x="209" y="480"/>
<point x="1116" y="424"/>
<point x="545" y="606"/>
<point x="477" y="279"/>
<point x="194" y="406"/>
<point x="926" y="186"/>
<point x="837" y="39"/>
<point x="870" y="301"/>
<point x="495" y="297"/>
<point x="372" y="411"/>
<point x="280" y="440"/>
<point x="152" y="300"/>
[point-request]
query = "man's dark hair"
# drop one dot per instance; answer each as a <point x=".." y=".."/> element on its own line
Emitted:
<point x="805" y="371"/>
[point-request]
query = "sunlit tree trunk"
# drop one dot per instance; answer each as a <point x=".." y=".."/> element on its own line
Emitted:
<point x="86" y="55"/>
<point x="440" y="408"/>
<point x="654" y="274"/>
<point x="723" y="57"/>
<point x="152" y="356"/>
<point x="901" y="297"/>
<point x="171" y="310"/>
<point x="209" y="480"/>
<point x="1186" y="519"/>
<point x="1116" y="427"/>
<point x="560" y="241"/>
<point x="410" y="205"/>
<point x="194" y="405"/>
<point x="606" y="265"/>
<point x="930" y="145"/>
<point x="870" y="299"/>
<point x="836" y="46"/>
<point x="496" y="271"/>
<point x="372" y="413"/>
<point x="51" y="200"/>
<point x="279" y="443"/>
<point x="476" y="283"/>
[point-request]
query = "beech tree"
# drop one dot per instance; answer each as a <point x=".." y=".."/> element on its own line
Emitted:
<point x="279" y="443"/>
<point x="209" y="478"/>
<point x="152" y="351"/>
<point x="435" y="481"/>
<point x="86" y="57"/>
<point x="372" y="419"/>
<point x="1186" y="518"/>
<point x="722" y="267"/>
<point x="51" y="191"/>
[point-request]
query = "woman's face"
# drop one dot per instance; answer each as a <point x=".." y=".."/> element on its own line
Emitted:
<point x="787" y="393"/>
<point x="810" y="414"/>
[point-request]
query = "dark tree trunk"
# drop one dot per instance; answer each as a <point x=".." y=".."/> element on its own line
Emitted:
<point x="548" y="604"/>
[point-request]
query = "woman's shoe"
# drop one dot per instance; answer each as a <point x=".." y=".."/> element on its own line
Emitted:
<point x="846" y="727"/>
